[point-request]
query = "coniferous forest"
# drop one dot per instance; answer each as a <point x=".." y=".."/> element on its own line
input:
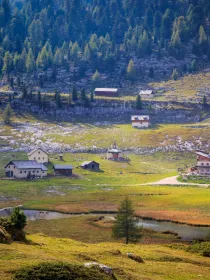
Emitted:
<point x="37" y="35"/>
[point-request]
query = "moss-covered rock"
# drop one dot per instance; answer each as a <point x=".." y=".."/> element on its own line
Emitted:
<point x="61" y="271"/>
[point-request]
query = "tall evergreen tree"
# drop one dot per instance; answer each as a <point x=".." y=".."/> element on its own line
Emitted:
<point x="138" y="102"/>
<point x="30" y="65"/>
<point x="39" y="98"/>
<point x="204" y="101"/>
<point x="8" y="63"/>
<point x="7" y="115"/>
<point x="74" y="94"/>
<point x="203" y="40"/>
<point x="58" y="100"/>
<point x="125" y="226"/>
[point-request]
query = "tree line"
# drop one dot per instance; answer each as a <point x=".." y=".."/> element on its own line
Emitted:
<point x="95" y="34"/>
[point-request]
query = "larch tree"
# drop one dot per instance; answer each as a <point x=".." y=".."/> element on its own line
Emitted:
<point x="8" y="63"/>
<point x="203" y="40"/>
<point x="8" y="114"/>
<point x="30" y="65"/>
<point x="96" y="79"/>
<point x="175" y="75"/>
<point x="131" y="72"/>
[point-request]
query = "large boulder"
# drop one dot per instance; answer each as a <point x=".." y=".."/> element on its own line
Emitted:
<point x="106" y="269"/>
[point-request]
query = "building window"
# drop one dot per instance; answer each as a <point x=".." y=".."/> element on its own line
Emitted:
<point x="39" y="157"/>
<point x="37" y="171"/>
<point x="43" y="157"/>
<point x="34" y="158"/>
<point x="24" y="171"/>
<point x="33" y="171"/>
<point x="20" y="172"/>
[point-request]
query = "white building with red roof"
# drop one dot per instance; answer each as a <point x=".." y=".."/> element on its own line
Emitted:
<point x="203" y="163"/>
<point x="140" y="121"/>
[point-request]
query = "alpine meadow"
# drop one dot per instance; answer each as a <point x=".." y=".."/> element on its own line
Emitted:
<point x="104" y="139"/>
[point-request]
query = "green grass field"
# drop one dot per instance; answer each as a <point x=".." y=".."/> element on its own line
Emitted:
<point x="161" y="262"/>
<point x="102" y="191"/>
<point x="87" y="239"/>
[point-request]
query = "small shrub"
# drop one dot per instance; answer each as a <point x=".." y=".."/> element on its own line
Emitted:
<point x="15" y="224"/>
<point x="202" y="249"/>
<point x="4" y="236"/>
<point x="61" y="271"/>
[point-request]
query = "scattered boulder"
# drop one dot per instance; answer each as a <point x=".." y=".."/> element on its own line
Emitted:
<point x="100" y="218"/>
<point x="116" y="252"/>
<point x="135" y="257"/>
<point x="106" y="269"/>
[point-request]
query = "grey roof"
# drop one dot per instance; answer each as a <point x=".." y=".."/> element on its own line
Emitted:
<point x="203" y="154"/>
<point x="114" y="151"/>
<point x="140" y="118"/>
<point x="30" y="153"/>
<point x="63" y="166"/>
<point x="28" y="164"/>
<point x="146" y="92"/>
<point x="107" y="89"/>
<point x="88" y="162"/>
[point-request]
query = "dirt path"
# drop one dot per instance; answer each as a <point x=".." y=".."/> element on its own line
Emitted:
<point x="173" y="181"/>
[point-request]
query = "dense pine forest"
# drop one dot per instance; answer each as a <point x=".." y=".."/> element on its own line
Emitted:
<point x="37" y="35"/>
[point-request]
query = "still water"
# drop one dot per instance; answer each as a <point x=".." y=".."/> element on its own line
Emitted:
<point x="186" y="232"/>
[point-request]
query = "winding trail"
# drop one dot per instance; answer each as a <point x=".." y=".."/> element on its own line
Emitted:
<point x="173" y="181"/>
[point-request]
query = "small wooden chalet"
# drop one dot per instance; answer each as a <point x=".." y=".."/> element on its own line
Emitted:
<point x="63" y="169"/>
<point x="203" y="163"/>
<point x="140" y="121"/>
<point x="114" y="153"/>
<point x="25" y="169"/>
<point x="107" y="92"/>
<point x="90" y="165"/>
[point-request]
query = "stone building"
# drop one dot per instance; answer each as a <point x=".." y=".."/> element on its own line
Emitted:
<point x="39" y="155"/>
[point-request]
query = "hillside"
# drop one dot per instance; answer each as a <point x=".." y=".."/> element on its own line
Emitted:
<point x="160" y="262"/>
<point x="139" y="40"/>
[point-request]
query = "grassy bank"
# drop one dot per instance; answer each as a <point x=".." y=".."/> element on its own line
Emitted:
<point x="90" y="229"/>
<point x="160" y="262"/>
<point x="195" y="179"/>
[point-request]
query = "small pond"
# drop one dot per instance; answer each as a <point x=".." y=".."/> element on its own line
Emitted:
<point x="186" y="232"/>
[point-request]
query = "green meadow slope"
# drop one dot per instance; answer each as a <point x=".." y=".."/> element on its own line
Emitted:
<point x="161" y="262"/>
